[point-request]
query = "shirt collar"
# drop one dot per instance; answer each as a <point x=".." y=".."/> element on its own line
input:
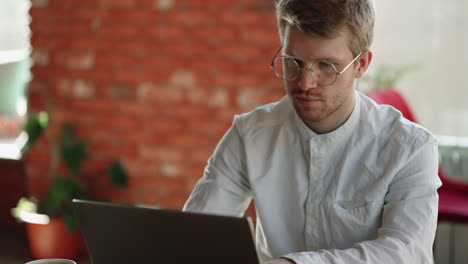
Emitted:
<point x="306" y="133"/>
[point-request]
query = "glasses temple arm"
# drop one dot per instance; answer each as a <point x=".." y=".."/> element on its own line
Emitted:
<point x="347" y="66"/>
<point x="271" y="64"/>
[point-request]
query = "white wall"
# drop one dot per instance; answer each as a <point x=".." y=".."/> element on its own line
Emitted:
<point x="14" y="24"/>
<point x="433" y="34"/>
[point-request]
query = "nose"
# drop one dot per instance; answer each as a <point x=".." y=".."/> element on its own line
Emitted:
<point x="307" y="80"/>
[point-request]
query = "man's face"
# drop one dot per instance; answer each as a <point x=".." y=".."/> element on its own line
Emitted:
<point x="316" y="103"/>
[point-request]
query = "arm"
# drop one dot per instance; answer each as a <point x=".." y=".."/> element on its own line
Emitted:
<point x="223" y="189"/>
<point x="409" y="218"/>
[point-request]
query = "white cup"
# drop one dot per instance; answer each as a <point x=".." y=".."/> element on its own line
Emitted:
<point x="52" y="261"/>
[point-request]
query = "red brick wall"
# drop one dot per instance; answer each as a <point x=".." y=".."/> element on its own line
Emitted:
<point x="154" y="83"/>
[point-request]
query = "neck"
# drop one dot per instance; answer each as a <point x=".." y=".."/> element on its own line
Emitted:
<point x="336" y="119"/>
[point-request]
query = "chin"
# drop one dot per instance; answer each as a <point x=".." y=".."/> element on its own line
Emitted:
<point x="309" y="115"/>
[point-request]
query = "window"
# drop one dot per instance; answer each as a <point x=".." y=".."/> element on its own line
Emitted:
<point x="432" y="36"/>
<point x="14" y="71"/>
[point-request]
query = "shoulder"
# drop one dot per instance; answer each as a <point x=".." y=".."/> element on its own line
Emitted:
<point x="265" y="116"/>
<point x="387" y="124"/>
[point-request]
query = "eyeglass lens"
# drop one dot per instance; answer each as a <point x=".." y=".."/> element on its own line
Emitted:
<point x="289" y="69"/>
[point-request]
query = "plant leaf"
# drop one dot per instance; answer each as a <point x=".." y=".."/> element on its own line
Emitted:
<point x="71" y="221"/>
<point x="116" y="172"/>
<point x="61" y="193"/>
<point x="72" y="149"/>
<point x="34" y="127"/>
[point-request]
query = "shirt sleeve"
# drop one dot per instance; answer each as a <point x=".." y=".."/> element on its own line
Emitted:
<point x="409" y="219"/>
<point x="224" y="188"/>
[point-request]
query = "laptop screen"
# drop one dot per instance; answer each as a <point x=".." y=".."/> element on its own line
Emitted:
<point x="127" y="234"/>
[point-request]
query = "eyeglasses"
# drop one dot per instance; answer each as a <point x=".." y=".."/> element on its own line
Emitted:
<point x="289" y="68"/>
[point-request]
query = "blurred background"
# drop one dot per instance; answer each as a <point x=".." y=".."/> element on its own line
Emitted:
<point x="155" y="84"/>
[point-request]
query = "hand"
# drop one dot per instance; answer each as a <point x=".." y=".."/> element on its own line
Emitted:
<point x="279" y="261"/>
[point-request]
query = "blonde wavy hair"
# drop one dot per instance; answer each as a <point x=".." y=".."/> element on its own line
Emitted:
<point x="326" y="19"/>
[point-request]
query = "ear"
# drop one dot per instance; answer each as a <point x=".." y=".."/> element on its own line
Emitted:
<point x="364" y="62"/>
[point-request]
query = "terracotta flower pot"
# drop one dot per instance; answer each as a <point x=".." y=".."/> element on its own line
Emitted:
<point x="53" y="240"/>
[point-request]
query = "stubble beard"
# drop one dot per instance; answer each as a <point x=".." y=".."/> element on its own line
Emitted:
<point x="319" y="114"/>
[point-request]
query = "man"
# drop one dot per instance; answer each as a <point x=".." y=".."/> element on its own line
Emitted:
<point x="335" y="177"/>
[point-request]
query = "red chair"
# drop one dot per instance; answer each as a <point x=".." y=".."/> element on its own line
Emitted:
<point x="453" y="195"/>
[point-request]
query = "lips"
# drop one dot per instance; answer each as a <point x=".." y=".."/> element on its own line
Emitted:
<point x="302" y="98"/>
<point x="306" y="99"/>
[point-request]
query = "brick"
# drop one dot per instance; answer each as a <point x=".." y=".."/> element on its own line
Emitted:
<point x="91" y="167"/>
<point x="200" y="156"/>
<point x="139" y="16"/>
<point x="118" y="31"/>
<point x="250" y="97"/>
<point x="165" y="125"/>
<point x="198" y="96"/>
<point x="258" y="67"/>
<point x="163" y="5"/>
<point x="216" y="34"/>
<point x="162" y="32"/>
<point x="228" y="80"/>
<point x="156" y="182"/>
<point x="139" y="76"/>
<point x="116" y="3"/>
<point x="245" y="18"/>
<point x="193" y="174"/>
<point x="183" y="78"/>
<point x="241" y="53"/>
<point x="260" y="37"/>
<point x="76" y="88"/>
<point x="185" y="49"/>
<point x="72" y="3"/>
<point x="113" y="150"/>
<point x="186" y="111"/>
<point x="92" y="13"/>
<point x="39" y="3"/>
<point x="136" y="109"/>
<point x="113" y="61"/>
<point x="76" y="60"/>
<point x="190" y="18"/>
<point x="207" y="128"/>
<point x="160" y="153"/>
<point x="63" y="30"/>
<point x="141" y="168"/>
<point x="45" y="42"/>
<point x="169" y="170"/>
<point x="117" y="123"/>
<point x="162" y="95"/>
<point x="93" y="105"/>
<point x="40" y="57"/>
<point x="122" y="91"/>
<point x="37" y="86"/>
<point x="206" y="97"/>
<point x="187" y="141"/>
<point x="174" y="202"/>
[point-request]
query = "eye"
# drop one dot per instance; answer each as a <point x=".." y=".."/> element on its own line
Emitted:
<point x="326" y="67"/>
<point x="290" y="63"/>
<point x="299" y="62"/>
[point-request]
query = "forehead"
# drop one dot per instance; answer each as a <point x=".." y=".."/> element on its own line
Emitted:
<point x="306" y="46"/>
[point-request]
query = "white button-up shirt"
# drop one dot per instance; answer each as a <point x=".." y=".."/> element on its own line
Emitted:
<point x="363" y="193"/>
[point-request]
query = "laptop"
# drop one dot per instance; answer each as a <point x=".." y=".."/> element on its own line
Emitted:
<point x="121" y="234"/>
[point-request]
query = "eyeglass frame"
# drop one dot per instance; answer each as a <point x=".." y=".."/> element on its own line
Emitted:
<point x="337" y="73"/>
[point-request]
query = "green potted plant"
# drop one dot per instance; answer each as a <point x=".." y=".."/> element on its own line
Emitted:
<point x="51" y="225"/>
<point x="386" y="76"/>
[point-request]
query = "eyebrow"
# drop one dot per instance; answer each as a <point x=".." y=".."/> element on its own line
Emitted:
<point x="334" y="60"/>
